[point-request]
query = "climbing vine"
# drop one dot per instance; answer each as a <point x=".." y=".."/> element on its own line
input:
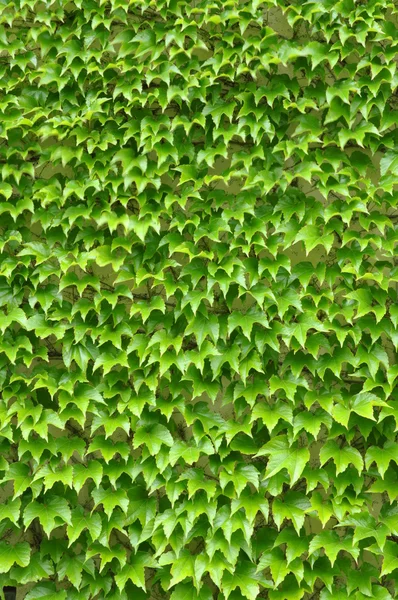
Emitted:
<point x="198" y="294"/>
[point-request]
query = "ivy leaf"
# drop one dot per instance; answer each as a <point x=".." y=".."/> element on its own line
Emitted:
<point x="389" y="162"/>
<point x="342" y="456"/>
<point x="11" y="510"/>
<point x="110" y="499"/>
<point x="240" y="477"/>
<point x="71" y="567"/>
<point x="198" y="299"/>
<point x="270" y="414"/>
<point x="388" y="484"/>
<point x="389" y="554"/>
<point x="295" y="545"/>
<point x="49" y="513"/>
<point x="153" y="436"/>
<point x="9" y="555"/>
<point x="246" y="321"/>
<point x="288" y="384"/>
<point x="334" y="594"/>
<point x="246" y="579"/>
<point x="182" y="567"/>
<point x="382" y="456"/>
<point x="366" y="526"/>
<point x="312" y="237"/>
<point x="45" y="592"/>
<point x="276" y="561"/>
<point x="202" y="326"/>
<point x="323" y="508"/>
<point x="284" y="456"/>
<point x="311" y="422"/>
<point x="82" y="473"/>
<point x="134" y="570"/>
<point x="108" y="360"/>
<point x="106" y="554"/>
<point x="38" y="568"/>
<point x="19" y="473"/>
<point x="362" y="404"/>
<point x="333" y="544"/>
<point x="293" y="506"/>
<point x="252" y="504"/>
<point x="80" y="521"/>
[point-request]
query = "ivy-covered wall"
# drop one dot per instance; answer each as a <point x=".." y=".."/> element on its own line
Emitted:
<point x="198" y="293"/>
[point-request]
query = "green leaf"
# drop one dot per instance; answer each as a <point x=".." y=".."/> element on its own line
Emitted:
<point x="82" y="473"/>
<point x="110" y="499"/>
<point x="362" y="404"/>
<point x="19" y="473"/>
<point x="382" y="456"/>
<point x="117" y="552"/>
<point x="9" y="555"/>
<point x="342" y="456"/>
<point x="270" y="414"/>
<point x="45" y="591"/>
<point x="240" y="476"/>
<point x="153" y="436"/>
<point x="80" y="521"/>
<point x="134" y="570"/>
<point x="284" y="456"/>
<point x="295" y="545"/>
<point x="323" y="507"/>
<point x="312" y="237"/>
<point x="333" y="544"/>
<point x="246" y="579"/>
<point x="275" y="560"/>
<point x="388" y="484"/>
<point x="183" y="566"/>
<point x="11" y="510"/>
<point x="252" y="504"/>
<point x="293" y="506"/>
<point x="51" y="514"/>
<point x="367" y="526"/>
<point x="389" y="554"/>
<point x="199" y="299"/>
<point x="246" y="321"/>
<point x="38" y="568"/>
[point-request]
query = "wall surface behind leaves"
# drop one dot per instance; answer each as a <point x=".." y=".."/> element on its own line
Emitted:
<point x="198" y="293"/>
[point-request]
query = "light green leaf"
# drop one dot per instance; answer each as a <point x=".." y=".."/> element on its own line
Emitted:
<point x="293" y="506"/>
<point x="51" y="513"/>
<point x="333" y="544"/>
<point x="134" y="570"/>
<point x="342" y="456"/>
<point x="153" y="436"/>
<point x="382" y="456"/>
<point x="283" y="456"/>
<point x="80" y="521"/>
<point x="9" y="555"/>
<point x="110" y="499"/>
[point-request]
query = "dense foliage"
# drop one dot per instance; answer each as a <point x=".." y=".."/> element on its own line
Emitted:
<point x="198" y="291"/>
